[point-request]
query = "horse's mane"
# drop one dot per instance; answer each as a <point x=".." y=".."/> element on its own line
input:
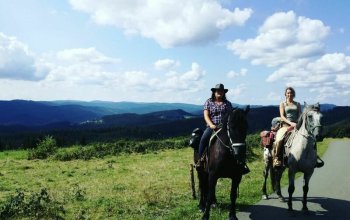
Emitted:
<point x="225" y="118"/>
<point x="238" y="116"/>
<point x="307" y="108"/>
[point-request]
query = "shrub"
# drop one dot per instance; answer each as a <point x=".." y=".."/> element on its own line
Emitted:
<point x="37" y="206"/>
<point x="100" y="150"/>
<point x="44" y="149"/>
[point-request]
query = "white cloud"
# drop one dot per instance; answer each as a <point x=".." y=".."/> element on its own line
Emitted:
<point x="169" y="23"/>
<point x="232" y="74"/>
<point x="18" y="62"/>
<point x="324" y="93"/>
<point x="86" y="55"/>
<point x="305" y="72"/>
<point x="89" y="72"/>
<point x="80" y="66"/>
<point x="343" y="79"/>
<point x="327" y="76"/>
<point x="282" y="38"/>
<point x="235" y="93"/>
<point x="166" y="64"/>
<point x="294" y="47"/>
<point x="190" y="81"/>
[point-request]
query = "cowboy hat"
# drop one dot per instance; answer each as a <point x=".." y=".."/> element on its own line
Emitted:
<point x="219" y="87"/>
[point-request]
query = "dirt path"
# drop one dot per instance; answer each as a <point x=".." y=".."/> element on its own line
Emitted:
<point x="328" y="197"/>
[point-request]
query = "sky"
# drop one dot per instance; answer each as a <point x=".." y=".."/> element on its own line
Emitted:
<point x="175" y="51"/>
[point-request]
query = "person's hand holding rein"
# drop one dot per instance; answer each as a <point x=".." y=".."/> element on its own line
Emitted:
<point x="213" y="126"/>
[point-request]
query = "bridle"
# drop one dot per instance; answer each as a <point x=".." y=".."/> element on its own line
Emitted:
<point x="232" y="144"/>
<point x="309" y="128"/>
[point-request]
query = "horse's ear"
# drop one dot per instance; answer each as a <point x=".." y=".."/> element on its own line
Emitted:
<point x="247" y="108"/>
<point x="305" y="104"/>
<point x="318" y="106"/>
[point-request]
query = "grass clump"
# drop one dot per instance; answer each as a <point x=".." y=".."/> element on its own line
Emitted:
<point x="37" y="205"/>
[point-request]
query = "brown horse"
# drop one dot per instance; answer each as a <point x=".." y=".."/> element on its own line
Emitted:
<point x="225" y="157"/>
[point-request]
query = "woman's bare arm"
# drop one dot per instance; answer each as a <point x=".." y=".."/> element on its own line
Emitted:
<point x="208" y="120"/>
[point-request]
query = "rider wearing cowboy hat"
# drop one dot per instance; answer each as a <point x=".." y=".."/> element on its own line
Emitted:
<point x="214" y="110"/>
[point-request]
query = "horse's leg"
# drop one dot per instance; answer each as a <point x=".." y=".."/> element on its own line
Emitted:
<point x="306" y="190"/>
<point x="272" y="176"/>
<point x="211" y="194"/>
<point x="278" y="177"/>
<point x="203" y="188"/>
<point x="233" y="196"/>
<point x="265" y="174"/>
<point x="291" y="187"/>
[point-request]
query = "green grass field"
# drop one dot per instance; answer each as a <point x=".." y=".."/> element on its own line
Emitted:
<point x="129" y="186"/>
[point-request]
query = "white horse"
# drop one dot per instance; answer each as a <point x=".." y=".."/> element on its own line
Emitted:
<point x="301" y="145"/>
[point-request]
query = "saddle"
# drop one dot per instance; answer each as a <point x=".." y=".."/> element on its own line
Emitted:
<point x="287" y="144"/>
<point x="204" y="160"/>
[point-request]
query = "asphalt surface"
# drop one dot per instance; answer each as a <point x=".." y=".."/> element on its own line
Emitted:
<point x="328" y="197"/>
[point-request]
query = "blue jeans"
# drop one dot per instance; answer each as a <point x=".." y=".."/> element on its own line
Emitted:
<point x="205" y="140"/>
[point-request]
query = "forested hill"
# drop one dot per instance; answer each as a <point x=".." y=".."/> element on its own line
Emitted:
<point x="22" y="123"/>
<point x="33" y="113"/>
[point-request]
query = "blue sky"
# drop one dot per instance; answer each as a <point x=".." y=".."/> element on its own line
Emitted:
<point x="175" y="51"/>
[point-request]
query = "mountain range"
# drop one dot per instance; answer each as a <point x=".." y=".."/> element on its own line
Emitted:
<point x="57" y="113"/>
<point x="41" y="113"/>
<point x="23" y="123"/>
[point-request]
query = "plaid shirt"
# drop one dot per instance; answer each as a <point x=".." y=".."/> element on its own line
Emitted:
<point x="216" y="112"/>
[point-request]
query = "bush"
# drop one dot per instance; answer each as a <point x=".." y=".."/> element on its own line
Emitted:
<point x="100" y="150"/>
<point x="44" y="149"/>
<point x="37" y="206"/>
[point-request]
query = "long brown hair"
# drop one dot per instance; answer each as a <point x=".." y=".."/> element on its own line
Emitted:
<point x="213" y="96"/>
<point x="291" y="89"/>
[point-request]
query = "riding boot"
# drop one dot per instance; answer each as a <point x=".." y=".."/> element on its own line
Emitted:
<point x="277" y="153"/>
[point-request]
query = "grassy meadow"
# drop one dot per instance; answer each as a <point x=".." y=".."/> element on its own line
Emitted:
<point x="153" y="185"/>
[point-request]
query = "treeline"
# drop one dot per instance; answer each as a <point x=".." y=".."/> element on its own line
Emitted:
<point x="48" y="148"/>
<point x="338" y="130"/>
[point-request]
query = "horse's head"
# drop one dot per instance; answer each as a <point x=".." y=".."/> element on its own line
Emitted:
<point x="237" y="124"/>
<point x="312" y="116"/>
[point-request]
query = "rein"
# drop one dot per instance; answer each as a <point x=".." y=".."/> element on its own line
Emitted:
<point x="232" y="144"/>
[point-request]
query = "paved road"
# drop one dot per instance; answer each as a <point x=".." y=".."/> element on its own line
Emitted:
<point x="328" y="197"/>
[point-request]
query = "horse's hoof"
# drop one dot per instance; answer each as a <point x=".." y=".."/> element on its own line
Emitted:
<point x="205" y="218"/>
<point x="264" y="197"/>
<point x="305" y="210"/>
<point x="213" y="205"/>
<point x="233" y="218"/>
<point x="281" y="198"/>
<point x="201" y="208"/>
